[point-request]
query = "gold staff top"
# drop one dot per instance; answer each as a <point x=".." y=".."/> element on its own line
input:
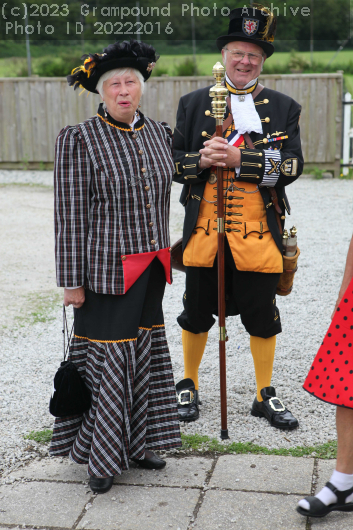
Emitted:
<point x="218" y="93"/>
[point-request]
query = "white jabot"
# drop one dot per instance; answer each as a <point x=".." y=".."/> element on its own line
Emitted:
<point x="245" y="116"/>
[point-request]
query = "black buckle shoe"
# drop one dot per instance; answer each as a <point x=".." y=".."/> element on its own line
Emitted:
<point x="273" y="410"/>
<point x="187" y="400"/>
<point x="100" y="484"/>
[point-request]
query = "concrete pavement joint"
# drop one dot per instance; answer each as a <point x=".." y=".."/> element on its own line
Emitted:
<point x="315" y="476"/>
<point x="31" y="527"/>
<point x="204" y="488"/>
<point x="314" y="480"/>
<point x="84" y="511"/>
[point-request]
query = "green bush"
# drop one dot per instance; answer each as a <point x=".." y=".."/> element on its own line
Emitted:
<point x="160" y="70"/>
<point x="186" y="67"/>
<point x="298" y="63"/>
<point x="58" y="66"/>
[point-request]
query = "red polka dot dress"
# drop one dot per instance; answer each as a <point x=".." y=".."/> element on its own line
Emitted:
<point x="330" y="377"/>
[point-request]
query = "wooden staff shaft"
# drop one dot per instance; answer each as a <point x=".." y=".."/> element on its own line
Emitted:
<point x="221" y="297"/>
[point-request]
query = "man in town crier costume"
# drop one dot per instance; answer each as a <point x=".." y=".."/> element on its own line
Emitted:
<point x="260" y="150"/>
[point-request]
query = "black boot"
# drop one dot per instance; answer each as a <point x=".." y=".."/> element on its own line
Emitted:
<point x="188" y="400"/>
<point x="273" y="410"/>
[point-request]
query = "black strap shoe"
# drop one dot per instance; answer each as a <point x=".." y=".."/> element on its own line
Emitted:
<point x="100" y="484"/>
<point x="273" y="410"/>
<point x="153" y="462"/>
<point x="187" y="400"/>
<point x="319" y="509"/>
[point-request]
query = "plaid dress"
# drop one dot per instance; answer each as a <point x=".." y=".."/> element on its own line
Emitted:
<point x="112" y="187"/>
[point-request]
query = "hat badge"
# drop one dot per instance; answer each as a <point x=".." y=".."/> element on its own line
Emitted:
<point x="250" y="26"/>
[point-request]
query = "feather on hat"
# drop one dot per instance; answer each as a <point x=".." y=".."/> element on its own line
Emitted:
<point x="126" y="54"/>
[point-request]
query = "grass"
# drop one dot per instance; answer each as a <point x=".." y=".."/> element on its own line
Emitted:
<point x="42" y="437"/>
<point x="40" y="307"/>
<point x="204" y="444"/>
<point x="195" y="443"/>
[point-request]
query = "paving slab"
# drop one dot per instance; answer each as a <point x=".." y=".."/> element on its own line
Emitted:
<point x="335" y="520"/>
<point x="141" y="508"/>
<point x="42" y="504"/>
<point x="325" y="469"/>
<point x="279" y="474"/>
<point x="53" y="469"/>
<point x="237" y="510"/>
<point x="187" y="472"/>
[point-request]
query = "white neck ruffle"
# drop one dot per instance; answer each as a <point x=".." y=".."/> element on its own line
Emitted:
<point x="245" y="116"/>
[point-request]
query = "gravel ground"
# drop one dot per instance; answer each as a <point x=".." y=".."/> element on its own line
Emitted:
<point x="31" y="349"/>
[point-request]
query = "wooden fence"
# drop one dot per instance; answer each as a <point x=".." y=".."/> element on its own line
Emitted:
<point x="33" y="110"/>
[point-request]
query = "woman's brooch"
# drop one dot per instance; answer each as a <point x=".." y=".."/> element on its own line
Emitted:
<point x="150" y="67"/>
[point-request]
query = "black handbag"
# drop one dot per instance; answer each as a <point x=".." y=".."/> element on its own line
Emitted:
<point x="70" y="394"/>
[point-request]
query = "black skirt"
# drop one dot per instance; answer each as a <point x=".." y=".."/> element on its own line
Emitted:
<point x="109" y="317"/>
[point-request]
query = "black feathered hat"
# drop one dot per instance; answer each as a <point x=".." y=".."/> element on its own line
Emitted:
<point x="125" y="54"/>
<point x="255" y="24"/>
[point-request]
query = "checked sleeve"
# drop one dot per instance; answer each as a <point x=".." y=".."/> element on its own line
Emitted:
<point x="72" y="176"/>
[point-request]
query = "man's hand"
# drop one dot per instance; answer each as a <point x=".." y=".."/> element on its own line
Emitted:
<point x="217" y="152"/>
<point x="75" y="297"/>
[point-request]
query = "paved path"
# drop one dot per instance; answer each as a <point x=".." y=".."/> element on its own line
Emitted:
<point x="207" y="492"/>
<point x="233" y="492"/>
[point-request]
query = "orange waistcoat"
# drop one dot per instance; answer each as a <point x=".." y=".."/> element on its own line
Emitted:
<point x="252" y="245"/>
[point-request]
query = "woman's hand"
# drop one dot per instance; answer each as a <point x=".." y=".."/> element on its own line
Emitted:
<point x="74" y="297"/>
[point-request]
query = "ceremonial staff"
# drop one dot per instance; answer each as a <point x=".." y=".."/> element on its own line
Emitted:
<point x="218" y="93"/>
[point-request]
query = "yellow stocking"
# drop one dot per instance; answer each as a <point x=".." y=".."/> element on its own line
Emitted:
<point x="263" y="353"/>
<point x="193" y="347"/>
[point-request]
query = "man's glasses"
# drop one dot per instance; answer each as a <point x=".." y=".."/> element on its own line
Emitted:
<point x="238" y="55"/>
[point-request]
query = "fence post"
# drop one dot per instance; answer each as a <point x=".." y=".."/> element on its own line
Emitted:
<point x="347" y="112"/>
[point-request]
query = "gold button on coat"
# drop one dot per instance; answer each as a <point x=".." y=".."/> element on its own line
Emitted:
<point x="151" y="224"/>
<point x="143" y="169"/>
<point x="153" y="242"/>
<point x="134" y="136"/>
<point x="147" y="188"/>
<point x="140" y="152"/>
<point x="123" y="258"/>
<point x="148" y="206"/>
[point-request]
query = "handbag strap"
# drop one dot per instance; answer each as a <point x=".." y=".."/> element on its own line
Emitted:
<point x="66" y="333"/>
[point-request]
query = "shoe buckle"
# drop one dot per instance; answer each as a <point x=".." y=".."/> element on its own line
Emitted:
<point x="186" y="400"/>
<point x="273" y="405"/>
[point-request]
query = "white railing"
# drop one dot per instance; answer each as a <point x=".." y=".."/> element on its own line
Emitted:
<point x="347" y="133"/>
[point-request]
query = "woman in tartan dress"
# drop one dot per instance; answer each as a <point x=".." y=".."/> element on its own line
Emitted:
<point x="331" y="379"/>
<point x="112" y="181"/>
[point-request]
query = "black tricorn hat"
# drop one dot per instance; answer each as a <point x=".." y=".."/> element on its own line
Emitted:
<point x="125" y="54"/>
<point x="251" y="24"/>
